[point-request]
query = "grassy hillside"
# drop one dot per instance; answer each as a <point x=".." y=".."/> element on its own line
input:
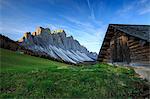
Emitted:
<point x="15" y="61"/>
<point x="24" y="76"/>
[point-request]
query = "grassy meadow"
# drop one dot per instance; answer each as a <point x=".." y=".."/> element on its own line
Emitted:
<point x="24" y="76"/>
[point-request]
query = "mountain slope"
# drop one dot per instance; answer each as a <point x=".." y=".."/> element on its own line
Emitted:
<point x="57" y="45"/>
<point x="7" y="43"/>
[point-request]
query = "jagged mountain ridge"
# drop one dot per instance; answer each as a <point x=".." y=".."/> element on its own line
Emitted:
<point x="57" y="45"/>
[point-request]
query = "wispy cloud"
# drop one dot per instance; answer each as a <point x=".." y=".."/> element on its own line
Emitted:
<point x="143" y="1"/>
<point x="91" y="9"/>
<point x="145" y="11"/>
<point x="5" y="4"/>
<point x="140" y="7"/>
<point x="13" y="29"/>
<point x="78" y="23"/>
<point x="55" y="26"/>
<point x="145" y="7"/>
<point x="125" y="9"/>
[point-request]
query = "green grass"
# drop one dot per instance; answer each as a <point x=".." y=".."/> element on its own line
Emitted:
<point x="24" y="76"/>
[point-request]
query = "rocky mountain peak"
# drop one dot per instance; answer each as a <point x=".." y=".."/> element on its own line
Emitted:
<point x="41" y="31"/>
<point x="25" y="36"/>
<point x="57" y="45"/>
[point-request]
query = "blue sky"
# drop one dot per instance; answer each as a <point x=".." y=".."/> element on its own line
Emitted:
<point x="85" y="20"/>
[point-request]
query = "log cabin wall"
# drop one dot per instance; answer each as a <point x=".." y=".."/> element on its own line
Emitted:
<point x="119" y="49"/>
<point x="139" y="51"/>
<point x="127" y="44"/>
<point x="127" y="49"/>
<point x="115" y="47"/>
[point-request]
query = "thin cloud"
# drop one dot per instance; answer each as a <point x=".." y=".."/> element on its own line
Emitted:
<point x="143" y="1"/>
<point x="12" y="30"/>
<point x="91" y="9"/>
<point x="126" y="9"/>
<point x="6" y="4"/>
<point x="77" y="22"/>
<point x="145" y="7"/>
<point x="141" y="7"/>
<point x="144" y="11"/>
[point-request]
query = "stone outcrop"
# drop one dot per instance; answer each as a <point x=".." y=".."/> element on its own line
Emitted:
<point x="58" y="31"/>
<point x="34" y="33"/>
<point x="41" y="30"/>
<point x="26" y="35"/>
<point x="57" y="45"/>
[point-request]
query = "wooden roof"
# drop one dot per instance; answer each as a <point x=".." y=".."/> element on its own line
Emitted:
<point x="138" y="31"/>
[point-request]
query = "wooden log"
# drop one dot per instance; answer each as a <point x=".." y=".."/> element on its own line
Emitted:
<point x="140" y="58"/>
<point x="130" y="41"/>
<point x="107" y="57"/>
<point x="139" y="48"/>
<point x="108" y="38"/>
<point x="106" y="43"/>
<point x="141" y="53"/>
<point x="146" y="51"/>
<point x="104" y="48"/>
<point x="135" y="46"/>
<point x="133" y="43"/>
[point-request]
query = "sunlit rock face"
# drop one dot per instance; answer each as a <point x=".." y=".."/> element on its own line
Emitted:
<point x="57" y="45"/>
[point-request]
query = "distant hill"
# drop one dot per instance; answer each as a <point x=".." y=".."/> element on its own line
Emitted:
<point x="57" y="45"/>
<point x="7" y="43"/>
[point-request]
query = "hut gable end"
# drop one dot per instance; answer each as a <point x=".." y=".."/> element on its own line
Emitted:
<point x="126" y="43"/>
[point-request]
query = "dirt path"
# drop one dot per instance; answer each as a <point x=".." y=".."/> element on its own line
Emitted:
<point x="144" y="72"/>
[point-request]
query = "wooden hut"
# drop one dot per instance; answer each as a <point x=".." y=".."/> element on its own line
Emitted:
<point x="126" y="44"/>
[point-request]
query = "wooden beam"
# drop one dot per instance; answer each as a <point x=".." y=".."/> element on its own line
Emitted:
<point x="104" y="51"/>
<point x="135" y="46"/>
<point x="103" y="48"/>
<point x="106" y="43"/>
<point x="133" y="43"/>
<point x="142" y="51"/>
<point x="140" y="57"/>
<point x="140" y="48"/>
<point x="108" y="38"/>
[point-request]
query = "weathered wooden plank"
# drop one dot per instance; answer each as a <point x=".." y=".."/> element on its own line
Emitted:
<point x="135" y="46"/>
<point x="104" y="48"/>
<point x="107" y="43"/>
<point x="133" y="43"/>
<point x="140" y="57"/>
<point x="108" y="38"/>
<point x="139" y="48"/>
<point x="146" y="51"/>
<point x="130" y="41"/>
<point x="142" y="52"/>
